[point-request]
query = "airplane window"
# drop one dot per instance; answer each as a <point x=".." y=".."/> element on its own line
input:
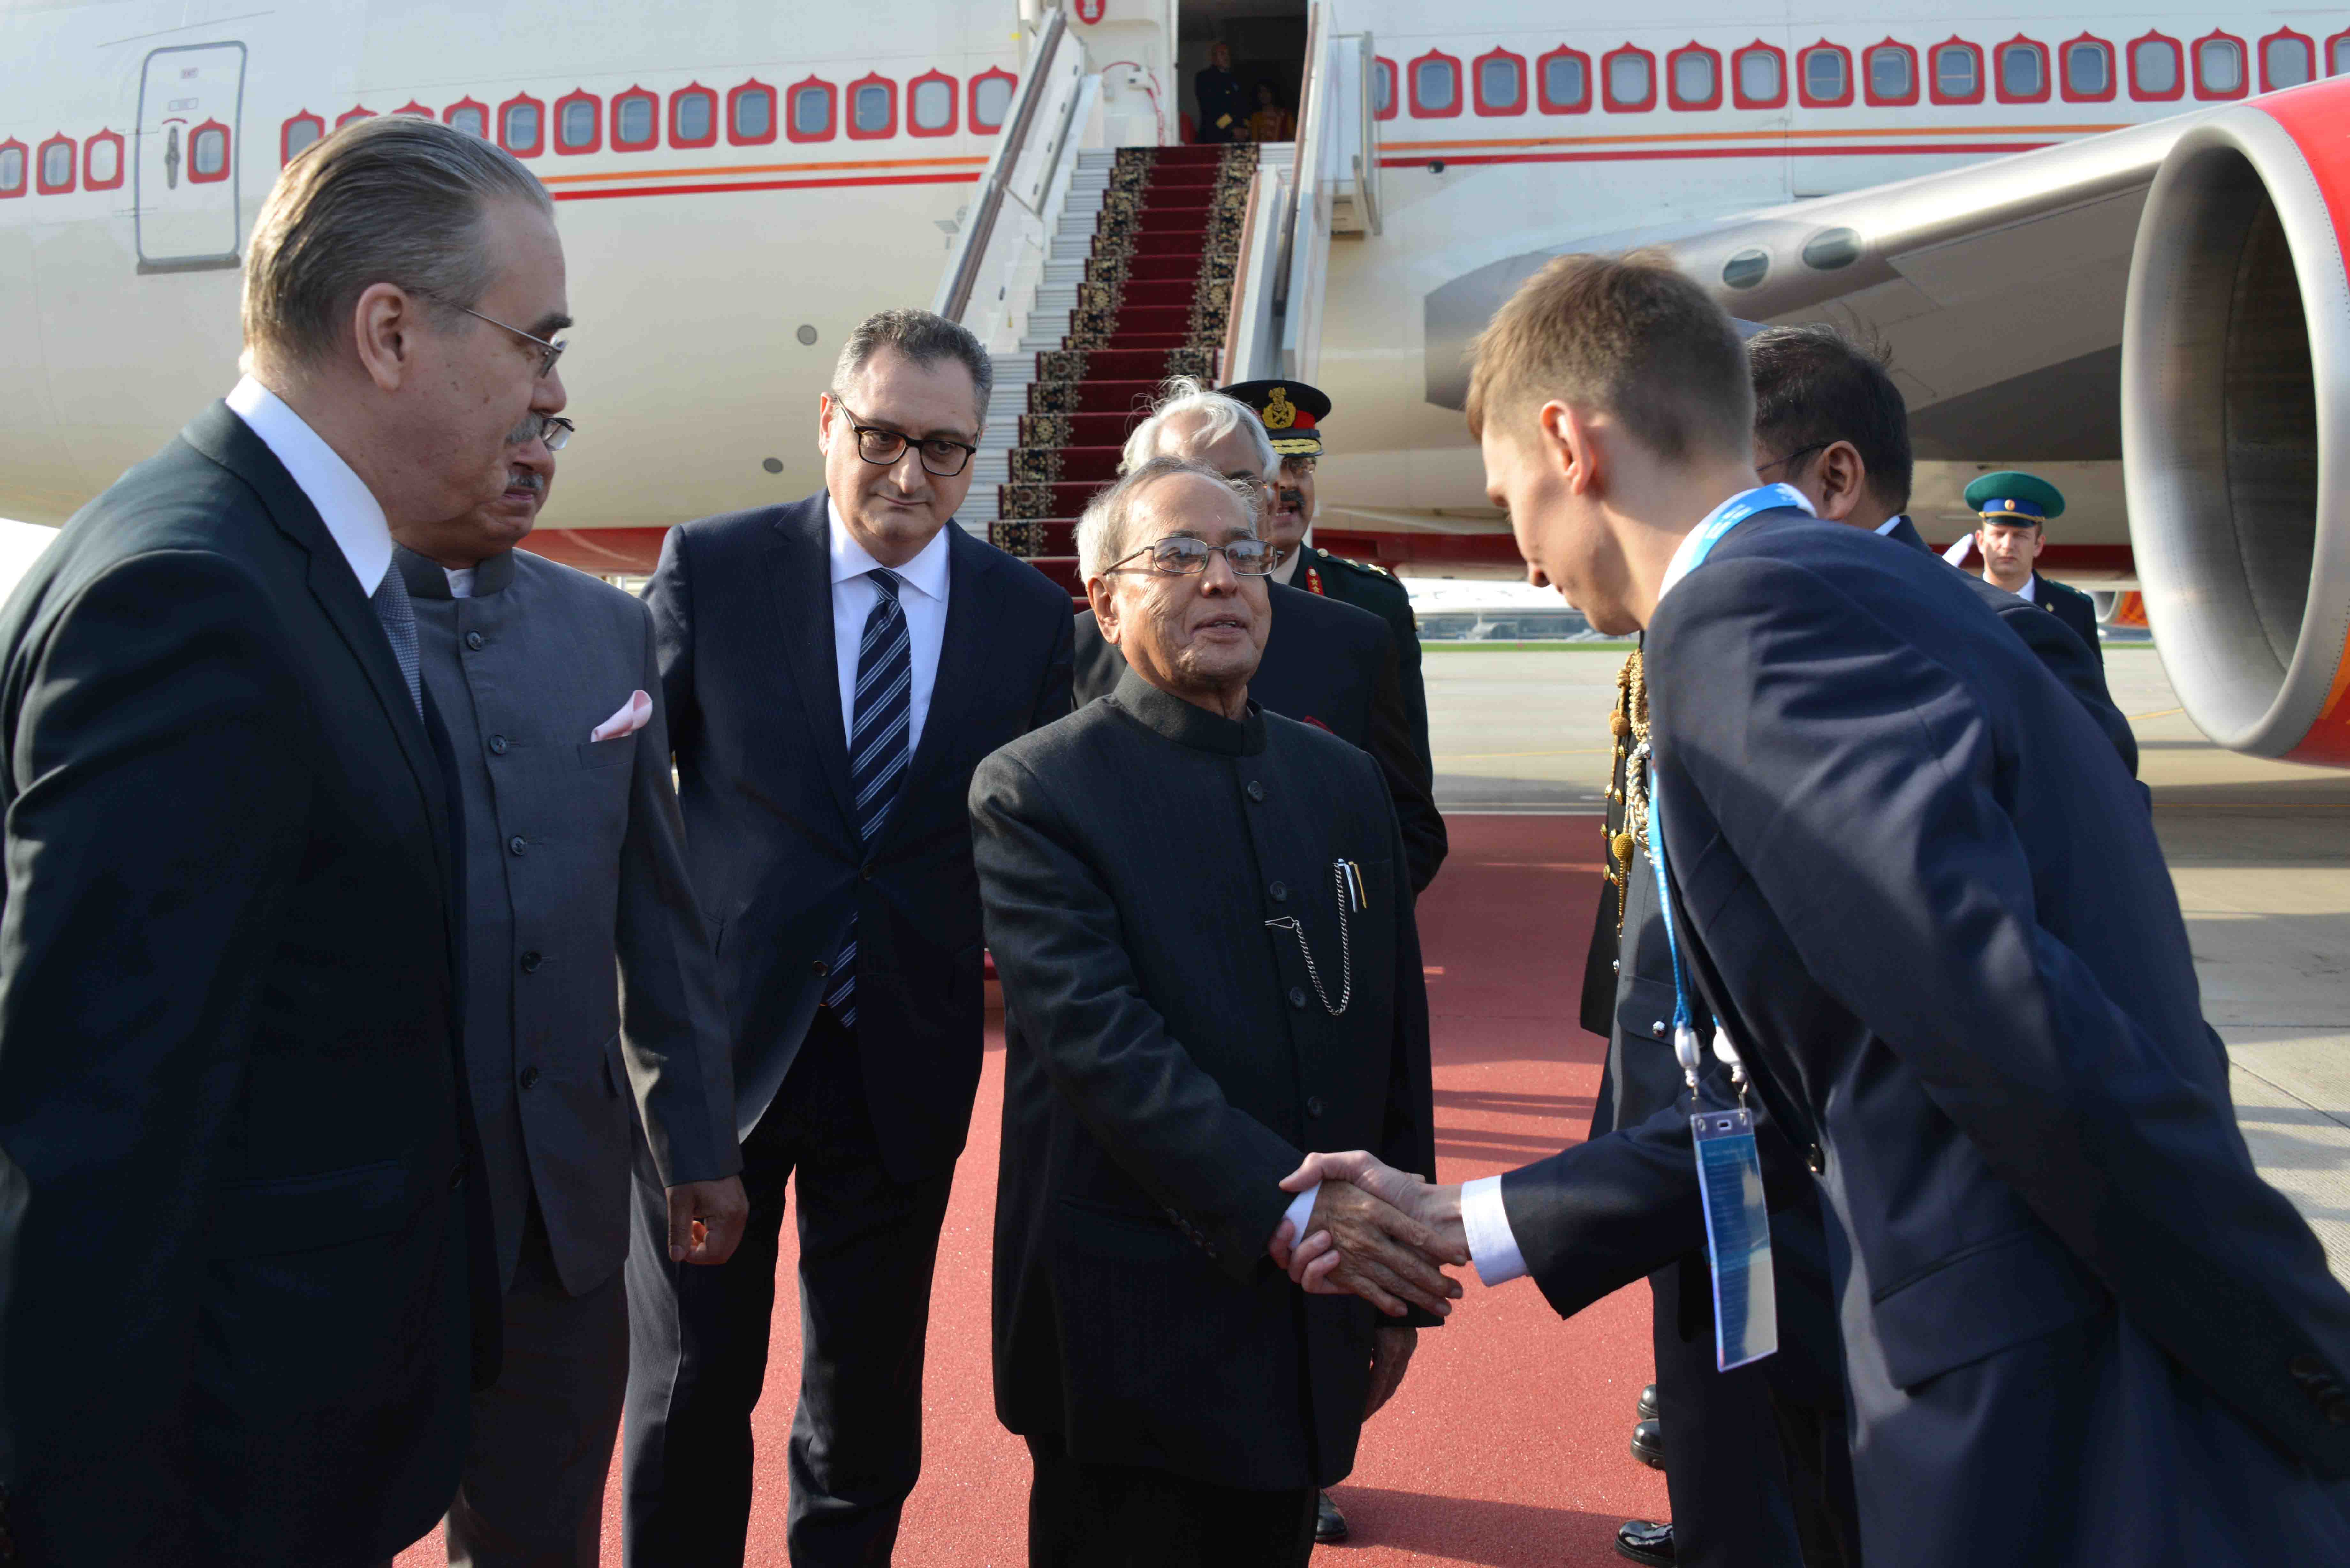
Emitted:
<point x="755" y="115"/>
<point x="1383" y="89"/>
<point x="12" y="170"/>
<point x="1499" y="84"/>
<point x="990" y="100"/>
<point x="1629" y="82"/>
<point x="2284" y="62"/>
<point x="105" y="162"/>
<point x="1564" y="84"/>
<point x="1760" y="77"/>
<point x="1954" y="72"/>
<point x="2338" y="55"/>
<point x="1433" y="87"/>
<point x="1824" y="78"/>
<point x="2153" y="68"/>
<point x="521" y="125"/>
<point x="694" y="112"/>
<point x="868" y="108"/>
<point x="2088" y="73"/>
<point x="349" y="117"/>
<point x="208" y="153"/>
<point x="2220" y="66"/>
<point x="1746" y="269"/>
<point x="578" y="128"/>
<point x="811" y="111"/>
<point x="632" y="120"/>
<point x="471" y="119"/>
<point x="57" y="165"/>
<point x="2019" y="72"/>
<point x="932" y="104"/>
<point x="299" y="134"/>
<point x="1693" y="79"/>
<point x="1890" y="74"/>
<point x="1832" y="248"/>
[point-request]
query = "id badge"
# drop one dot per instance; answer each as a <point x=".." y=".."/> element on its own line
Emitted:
<point x="1737" y="1236"/>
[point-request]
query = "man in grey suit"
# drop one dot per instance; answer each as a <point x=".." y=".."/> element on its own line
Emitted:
<point x="574" y="878"/>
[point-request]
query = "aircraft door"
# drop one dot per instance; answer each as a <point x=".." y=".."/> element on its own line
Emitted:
<point x="191" y="112"/>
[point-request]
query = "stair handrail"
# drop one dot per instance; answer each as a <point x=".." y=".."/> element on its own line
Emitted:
<point x="1305" y="170"/>
<point x="972" y="242"/>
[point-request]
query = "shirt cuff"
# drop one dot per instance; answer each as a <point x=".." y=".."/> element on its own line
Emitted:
<point x="1492" y="1248"/>
<point x="1300" y="1211"/>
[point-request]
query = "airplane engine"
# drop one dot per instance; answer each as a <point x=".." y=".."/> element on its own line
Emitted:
<point x="2236" y="423"/>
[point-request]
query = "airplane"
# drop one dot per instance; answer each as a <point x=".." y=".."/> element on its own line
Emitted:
<point x="2100" y="243"/>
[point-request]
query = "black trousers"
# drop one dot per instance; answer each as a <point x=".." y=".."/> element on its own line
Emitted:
<point x="533" y="1493"/>
<point x="1724" y="1470"/>
<point x="1126" y="1516"/>
<point x="868" y="1247"/>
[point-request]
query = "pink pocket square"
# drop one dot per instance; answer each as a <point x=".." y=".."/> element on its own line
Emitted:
<point x="634" y="715"/>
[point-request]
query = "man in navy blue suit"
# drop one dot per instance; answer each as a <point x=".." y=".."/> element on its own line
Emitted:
<point x="835" y="670"/>
<point x="1925" y="907"/>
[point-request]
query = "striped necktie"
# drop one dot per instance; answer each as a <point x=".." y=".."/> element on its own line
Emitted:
<point x="877" y="750"/>
<point x="398" y="617"/>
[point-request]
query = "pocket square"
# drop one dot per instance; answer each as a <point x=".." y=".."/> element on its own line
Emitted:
<point x="634" y="715"/>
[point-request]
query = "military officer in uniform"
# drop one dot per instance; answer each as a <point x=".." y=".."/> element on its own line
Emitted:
<point x="1293" y="413"/>
<point x="2015" y="509"/>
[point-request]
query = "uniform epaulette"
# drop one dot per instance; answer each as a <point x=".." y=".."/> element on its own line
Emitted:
<point x="1372" y="566"/>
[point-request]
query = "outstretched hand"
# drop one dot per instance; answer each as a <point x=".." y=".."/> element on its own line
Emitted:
<point x="1320" y="1262"/>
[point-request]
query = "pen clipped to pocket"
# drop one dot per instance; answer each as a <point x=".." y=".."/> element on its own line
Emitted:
<point x="1350" y="885"/>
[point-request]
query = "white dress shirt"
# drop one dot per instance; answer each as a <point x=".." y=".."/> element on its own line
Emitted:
<point x="1285" y="574"/>
<point x="349" y="508"/>
<point x="923" y="602"/>
<point x="2025" y="593"/>
<point x="1890" y="523"/>
<point x="1493" y="1245"/>
<point x="461" y="581"/>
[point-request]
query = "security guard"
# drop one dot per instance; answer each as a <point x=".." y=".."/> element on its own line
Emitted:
<point x="1293" y="413"/>
<point x="2015" y="509"/>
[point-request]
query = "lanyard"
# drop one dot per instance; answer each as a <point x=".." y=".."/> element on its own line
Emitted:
<point x="1686" y="1048"/>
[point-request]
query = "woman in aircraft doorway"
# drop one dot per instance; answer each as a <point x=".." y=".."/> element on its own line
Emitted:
<point x="1270" y="122"/>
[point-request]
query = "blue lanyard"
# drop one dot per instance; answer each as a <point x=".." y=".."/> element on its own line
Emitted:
<point x="1708" y="533"/>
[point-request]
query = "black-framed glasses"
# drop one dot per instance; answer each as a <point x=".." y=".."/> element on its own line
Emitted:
<point x="549" y="352"/>
<point x="1184" y="556"/>
<point x="1302" y="464"/>
<point x="882" y="446"/>
<point x="552" y="430"/>
<point x="1800" y="452"/>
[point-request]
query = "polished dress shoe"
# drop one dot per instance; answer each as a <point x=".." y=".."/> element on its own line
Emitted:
<point x="1648" y="1444"/>
<point x="1645" y="1408"/>
<point x="1329" y="1524"/>
<point x="1644" y="1540"/>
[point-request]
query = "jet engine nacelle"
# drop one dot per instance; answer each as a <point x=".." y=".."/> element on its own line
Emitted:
<point x="2236" y="422"/>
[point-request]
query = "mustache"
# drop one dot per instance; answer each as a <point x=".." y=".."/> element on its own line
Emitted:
<point x="526" y="479"/>
<point x="1292" y="499"/>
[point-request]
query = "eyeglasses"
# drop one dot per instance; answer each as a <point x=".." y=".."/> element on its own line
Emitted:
<point x="1181" y="555"/>
<point x="884" y="447"/>
<point x="552" y="430"/>
<point x="1800" y="452"/>
<point x="554" y="350"/>
<point x="1299" y="464"/>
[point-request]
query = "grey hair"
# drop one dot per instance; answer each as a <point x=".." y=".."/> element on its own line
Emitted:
<point x="1217" y="416"/>
<point x="1103" y="532"/>
<point x="395" y="199"/>
<point x="922" y="336"/>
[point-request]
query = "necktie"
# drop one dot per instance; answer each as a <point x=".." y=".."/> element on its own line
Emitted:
<point x="878" y="751"/>
<point x="399" y="619"/>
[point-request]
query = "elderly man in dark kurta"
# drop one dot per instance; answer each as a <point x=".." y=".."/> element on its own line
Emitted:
<point x="1201" y="919"/>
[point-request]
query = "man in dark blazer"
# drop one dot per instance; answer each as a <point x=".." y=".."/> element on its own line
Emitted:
<point x="241" y="1286"/>
<point x="1210" y="961"/>
<point x="2015" y="509"/>
<point x="591" y="996"/>
<point x="834" y="670"/>
<point x="1929" y="912"/>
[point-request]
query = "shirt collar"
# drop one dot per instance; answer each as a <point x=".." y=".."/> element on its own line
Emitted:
<point x="428" y="579"/>
<point x="346" y="506"/>
<point x="1684" y="559"/>
<point x="926" y="572"/>
<point x="1187" y="724"/>
<point x="1890" y="523"/>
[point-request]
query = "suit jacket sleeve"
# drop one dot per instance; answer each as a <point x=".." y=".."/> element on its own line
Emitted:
<point x="157" y="828"/>
<point x="1055" y="931"/>
<point x="1850" y="777"/>
<point x="669" y="597"/>
<point x="673" y="1029"/>
<point x="1409" y="1140"/>
<point x="1404" y="763"/>
<point x="1054" y="687"/>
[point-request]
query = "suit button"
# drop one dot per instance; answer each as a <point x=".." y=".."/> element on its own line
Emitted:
<point x="1280" y="891"/>
<point x="865" y="872"/>
<point x="530" y="961"/>
<point x="1616" y="966"/>
<point x="2305" y="1368"/>
<point x="516" y="845"/>
<point x="1816" y="1158"/>
<point x="1313" y="1105"/>
<point x="1255" y="790"/>
<point x="497" y="746"/>
<point x="1657" y="1029"/>
<point x="530" y="1077"/>
<point x="1296" y="997"/>
<point x="822" y="969"/>
<point x="474" y="639"/>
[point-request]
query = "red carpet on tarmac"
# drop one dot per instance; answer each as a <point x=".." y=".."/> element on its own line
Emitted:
<point x="1505" y="1448"/>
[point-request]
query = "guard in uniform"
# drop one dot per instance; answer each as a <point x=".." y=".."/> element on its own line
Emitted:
<point x="1293" y="413"/>
<point x="2015" y="509"/>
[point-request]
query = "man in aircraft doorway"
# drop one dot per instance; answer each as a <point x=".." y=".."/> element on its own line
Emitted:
<point x="1222" y="105"/>
<point x="2015" y="509"/>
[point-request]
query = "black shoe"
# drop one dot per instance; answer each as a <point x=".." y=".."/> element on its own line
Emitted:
<point x="1330" y="1525"/>
<point x="1645" y="1541"/>
<point x="1645" y="1409"/>
<point x="1648" y="1444"/>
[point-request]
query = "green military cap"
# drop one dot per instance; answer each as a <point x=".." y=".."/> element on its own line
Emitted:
<point x="2009" y="496"/>
<point x="1292" y="411"/>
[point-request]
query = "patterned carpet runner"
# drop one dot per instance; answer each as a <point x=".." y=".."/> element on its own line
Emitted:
<point x="1157" y="293"/>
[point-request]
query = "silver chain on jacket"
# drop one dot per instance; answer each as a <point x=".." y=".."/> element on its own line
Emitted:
<point x="1345" y="948"/>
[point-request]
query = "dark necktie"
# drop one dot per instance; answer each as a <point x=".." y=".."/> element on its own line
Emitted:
<point x="878" y="751"/>
<point x="399" y="619"/>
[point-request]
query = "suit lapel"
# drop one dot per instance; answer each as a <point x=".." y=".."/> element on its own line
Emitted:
<point x="799" y="576"/>
<point x="962" y="652"/>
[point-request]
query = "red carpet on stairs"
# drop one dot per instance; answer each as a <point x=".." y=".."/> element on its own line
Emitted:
<point x="1156" y="295"/>
<point x="1505" y="1447"/>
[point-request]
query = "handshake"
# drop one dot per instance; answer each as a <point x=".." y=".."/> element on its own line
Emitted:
<point x="1376" y="1232"/>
